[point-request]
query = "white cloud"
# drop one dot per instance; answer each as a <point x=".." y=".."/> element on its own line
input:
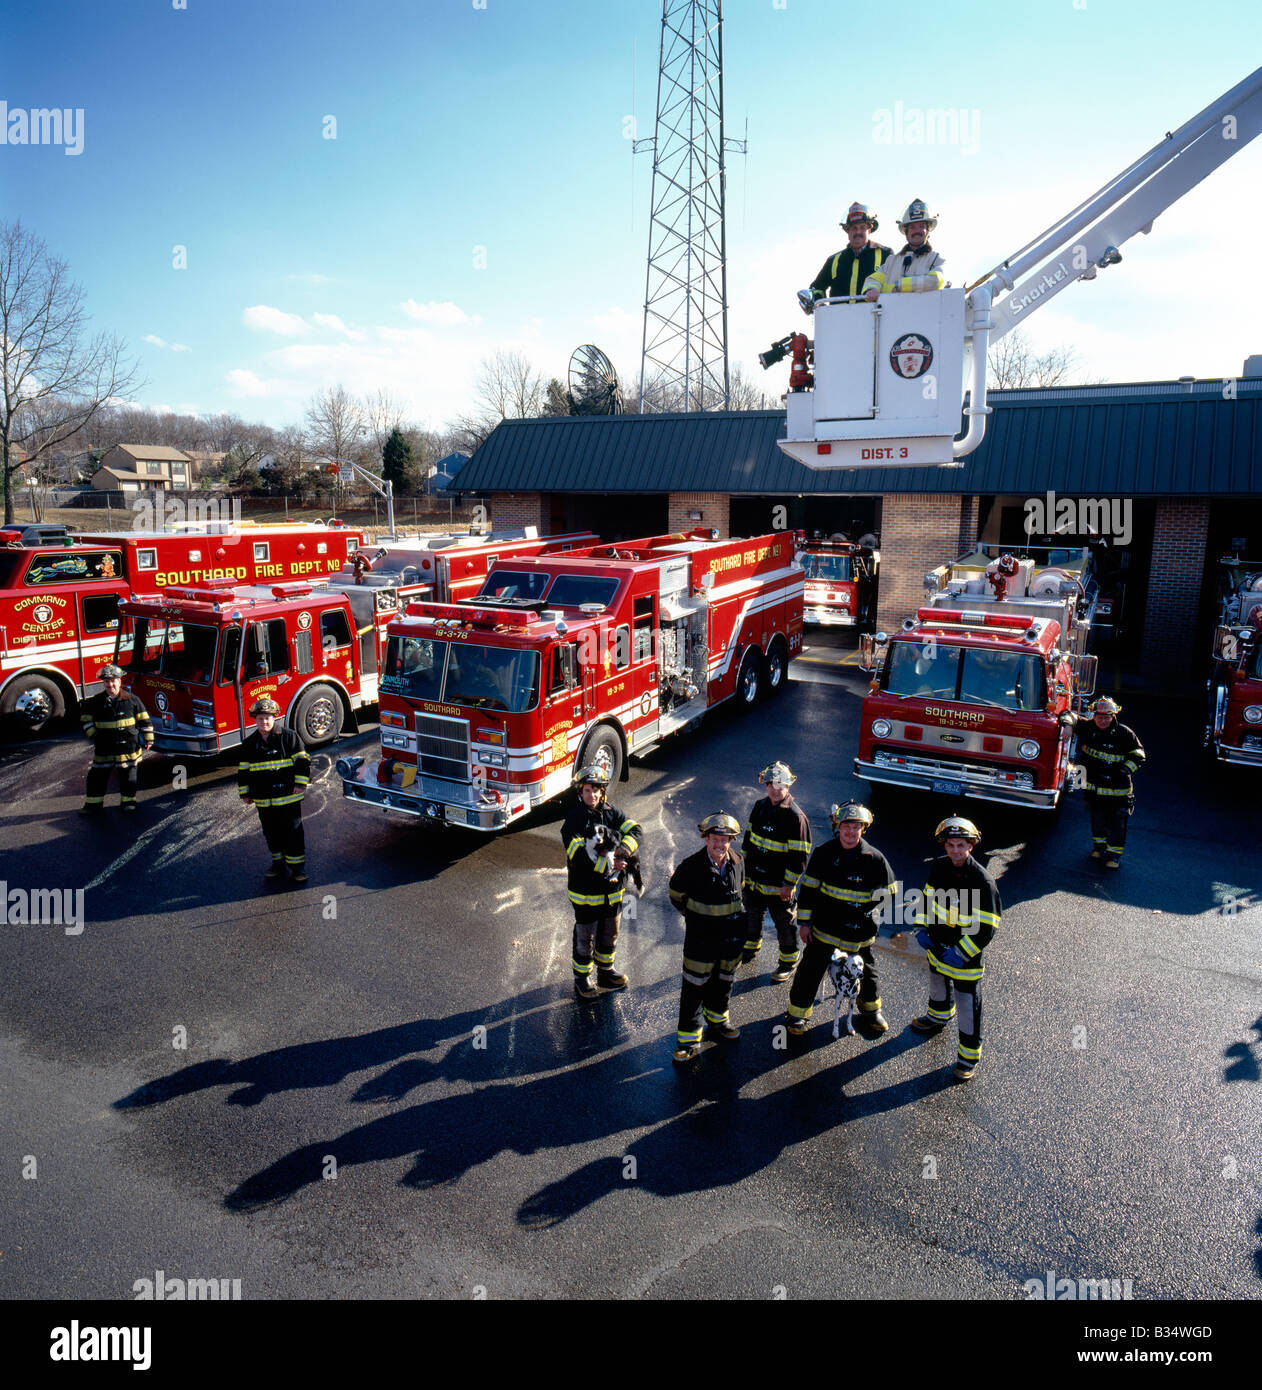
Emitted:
<point x="334" y="322"/>
<point x="445" y="314"/>
<point x="243" y="382"/>
<point x="180" y="347"/>
<point x="268" y="320"/>
<point x="154" y="339"/>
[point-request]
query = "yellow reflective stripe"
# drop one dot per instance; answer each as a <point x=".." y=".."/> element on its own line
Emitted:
<point x="955" y="972"/>
<point x="803" y="845"/>
<point x="969" y="947"/>
<point x="764" y="888"/>
<point x="840" y="941"/>
<point x="596" y="900"/>
<point x="804" y="915"/>
<point x="713" y="909"/>
<point x="848" y="895"/>
<point x="630" y="844"/>
<point x="989" y="919"/>
<point x="1108" y="791"/>
<point x="904" y="284"/>
<point x="116" y="723"/>
<point x="969" y="1054"/>
<point x="270" y="766"/>
<point x="791" y="878"/>
<point x="574" y="844"/>
<point x="761" y="841"/>
<point x="807" y="881"/>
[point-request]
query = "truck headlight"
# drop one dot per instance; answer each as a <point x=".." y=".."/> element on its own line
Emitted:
<point x="1253" y="714"/>
<point x="1028" y="749"/>
<point x="881" y="728"/>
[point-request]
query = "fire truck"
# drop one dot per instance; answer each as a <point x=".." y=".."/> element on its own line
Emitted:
<point x="59" y="598"/>
<point x="488" y="705"/>
<point x="1233" y="731"/>
<point x="979" y="693"/>
<point x="840" y="578"/>
<point x="200" y="656"/>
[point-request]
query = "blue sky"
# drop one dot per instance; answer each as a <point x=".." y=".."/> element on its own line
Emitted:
<point x="502" y="126"/>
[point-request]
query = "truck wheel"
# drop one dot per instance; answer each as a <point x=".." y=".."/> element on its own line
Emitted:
<point x="317" y="717"/>
<point x="30" y="704"/>
<point x="604" y="749"/>
<point x="749" y="679"/>
<point x="775" y="670"/>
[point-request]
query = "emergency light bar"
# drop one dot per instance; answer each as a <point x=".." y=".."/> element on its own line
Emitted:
<point x="483" y="617"/>
<point x="199" y="595"/>
<point x="296" y="589"/>
<point x="1015" y="621"/>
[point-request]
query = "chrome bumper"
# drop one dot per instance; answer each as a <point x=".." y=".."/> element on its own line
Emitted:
<point x="975" y="785"/>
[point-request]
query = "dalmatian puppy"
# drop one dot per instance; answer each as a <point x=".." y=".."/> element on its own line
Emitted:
<point x="845" y="971"/>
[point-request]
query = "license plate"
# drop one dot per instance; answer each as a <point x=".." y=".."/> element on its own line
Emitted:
<point x="948" y="788"/>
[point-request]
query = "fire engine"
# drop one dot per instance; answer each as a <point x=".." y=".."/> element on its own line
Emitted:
<point x="979" y="693"/>
<point x="1234" y="729"/>
<point x="200" y="656"/>
<point x="59" y="599"/>
<point x="840" y="579"/>
<point x="489" y="704"/>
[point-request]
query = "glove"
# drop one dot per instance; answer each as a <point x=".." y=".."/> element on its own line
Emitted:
<point x="807" y="300"/>
<point x="923" y="939"/>
<point x="953" y="957"/>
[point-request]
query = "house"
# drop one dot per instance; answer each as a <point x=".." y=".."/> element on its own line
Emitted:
<point x="203" y="462"/>
<point x="133" y="468"/>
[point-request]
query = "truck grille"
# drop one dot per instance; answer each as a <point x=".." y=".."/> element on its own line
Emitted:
<point x="442" y="747"/>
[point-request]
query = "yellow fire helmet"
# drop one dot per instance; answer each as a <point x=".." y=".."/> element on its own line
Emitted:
<point x="1106" y="706"/>
<point x="780" y="773"/>
<point x="851" y="810"/>
<point x="720" y="820"/>
<point x="957" y="826"/>
<point x="592" y="774"/>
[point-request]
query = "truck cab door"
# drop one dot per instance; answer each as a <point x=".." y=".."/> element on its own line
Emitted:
<point x="98" y="631"/>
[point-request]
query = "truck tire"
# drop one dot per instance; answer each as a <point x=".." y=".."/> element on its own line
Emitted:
<point x="317" y="717"/>
<point x="30" y="704"/>
<point x="602" y="747"/>
<point x="775" y="669"/>
<point x="749" y="679"/>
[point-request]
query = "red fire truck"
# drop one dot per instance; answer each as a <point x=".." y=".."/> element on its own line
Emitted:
<point x="840" y="581"/>
<point x="488" y="705"/>
<point x="199" y="657"/>
<point x="978" y="694"/>
<point x="59" y="600"/>
<point x="1234" y="729"/>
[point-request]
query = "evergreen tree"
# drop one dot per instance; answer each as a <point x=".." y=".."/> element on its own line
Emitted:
<point x="396" y="461"/>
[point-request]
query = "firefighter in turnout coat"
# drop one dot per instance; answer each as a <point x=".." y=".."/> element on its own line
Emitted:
<point x="599" y="844"/>
<point x="917" y="268"/>
<point x="959" y="915"/>
<point x="706" y="888"/>
<point x="844" y="275"/>
<point x="1110" y="754"/>
<point x="273" y="775"/>
<point x="846" y="884"/>
<point x="118" y="725"/>
<point x="776" y="845"/>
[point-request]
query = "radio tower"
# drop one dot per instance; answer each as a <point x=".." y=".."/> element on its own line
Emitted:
<point x="684" y="358"/>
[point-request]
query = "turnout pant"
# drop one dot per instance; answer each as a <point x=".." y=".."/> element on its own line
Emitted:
<point x="99" y="781"/>
<point x="1109" y="816"/>
<point x="595" y="939"/>
<point x="784" y="919"/>
<point x="811" y="972"/>
<point x="282" y="829"/>
<point x="709" y="968"/>
<point x="942" y="1009"/>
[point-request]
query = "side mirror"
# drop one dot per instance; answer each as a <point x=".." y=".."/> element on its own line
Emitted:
<point x="1085" y="668"/>
<point x="867" y="651"/>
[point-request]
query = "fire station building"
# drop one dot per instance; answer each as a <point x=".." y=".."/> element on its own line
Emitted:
<point x="1169" y="474"/>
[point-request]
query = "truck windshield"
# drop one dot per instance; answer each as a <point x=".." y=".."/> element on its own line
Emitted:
<point x="459" y="673"/>
<point x="837" y="568"/>
<point x="567" y="590"/>
<point x="182" y="651"/>
<point x="502" y="583"/>
<point x="1012" y="680"/>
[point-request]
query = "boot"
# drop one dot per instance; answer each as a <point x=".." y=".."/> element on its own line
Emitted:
<point x="610" y="979"/>
<point x="584" y="990"/>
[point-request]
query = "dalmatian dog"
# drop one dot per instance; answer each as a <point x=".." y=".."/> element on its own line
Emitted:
<point x="602" y="844"/>
<point x="845" y="971"/>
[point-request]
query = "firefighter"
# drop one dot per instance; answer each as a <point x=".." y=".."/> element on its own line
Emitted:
<point x="600" y="844"/>
<point x="1110" y="754"/>
<point x="706" y="888"/>
<point x="118" y="725"/>
<point x="776" y="846"/>
<point x="844" y="274"/>
<point x="273" y="776"/>
<point x="846" y="885"/>
<point x="959" y="915"/>
<point x="914" y="269"/>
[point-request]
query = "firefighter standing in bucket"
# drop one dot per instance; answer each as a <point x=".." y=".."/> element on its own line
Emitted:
<point x="915" y="269"/>
<point x="599" y="842"/>
<point x="118" y="725"/>
<point x="1111" y="753"/>
<point x="706" y="888"/>
<point x="846" y="885"/>
<point x="273" y="776"/>
<point x="776" y="846"/>
<point x="959" y="915"/>
<point x="844" y="275"/>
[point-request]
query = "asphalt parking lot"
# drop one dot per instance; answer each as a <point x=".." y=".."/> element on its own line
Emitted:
<point x="380" y="1085"/>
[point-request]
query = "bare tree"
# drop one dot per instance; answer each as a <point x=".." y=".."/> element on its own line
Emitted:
<point x="1013" y="364"/>
<point x="508" y="387"/>
<point x="335" y="423"/>
<point x="382" y="415"/>
<point x="56" y="379"/>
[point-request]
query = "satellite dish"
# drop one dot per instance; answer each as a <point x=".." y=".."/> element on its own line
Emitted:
<point x="594" y="386"/>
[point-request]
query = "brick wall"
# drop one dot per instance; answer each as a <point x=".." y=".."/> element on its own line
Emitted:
<point x="1179" y="537"/>
<point x="713" y="507"/>
<point x="510" y="510"/>
<point x="970" y="510"/>
<point x="918" y="533"/>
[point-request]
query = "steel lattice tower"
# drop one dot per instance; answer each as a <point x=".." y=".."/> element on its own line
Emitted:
<point x="684" y="358"/>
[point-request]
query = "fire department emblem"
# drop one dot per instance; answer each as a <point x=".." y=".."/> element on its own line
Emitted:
<point x="911" y="356"/>
<point x="304" y="620"/>
<point x="42" y="613"/>
<point x="161" y="701"/>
